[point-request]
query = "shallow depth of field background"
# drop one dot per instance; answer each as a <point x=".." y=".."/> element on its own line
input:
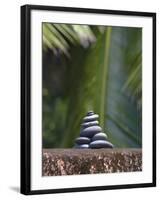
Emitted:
<point x="91" y="68"/>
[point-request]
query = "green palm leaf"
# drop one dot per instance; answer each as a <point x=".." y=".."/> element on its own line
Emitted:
<point x="88" y="91"/>
<point x="123" y="118"/>
<point x="60" y="36"/>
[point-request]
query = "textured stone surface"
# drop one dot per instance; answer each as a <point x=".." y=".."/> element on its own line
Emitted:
<point x="90" y="161"/>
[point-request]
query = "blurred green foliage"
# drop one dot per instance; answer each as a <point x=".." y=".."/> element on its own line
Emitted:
<point x="91" y="68"/>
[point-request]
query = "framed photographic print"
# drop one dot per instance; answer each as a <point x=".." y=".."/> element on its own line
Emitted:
<point x="88" y="99"/>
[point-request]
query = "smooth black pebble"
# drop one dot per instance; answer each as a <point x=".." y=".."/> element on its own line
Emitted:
<point x="90" y="113"/>
<point x="81" y="146"/>
<point x="90" y="131"/>
<point x="100" y="144"/>
<point x="90" y="118"/>
<point x="87" y="124"/>
<point x="99" y="136"/>
<point x="82" y="140"/>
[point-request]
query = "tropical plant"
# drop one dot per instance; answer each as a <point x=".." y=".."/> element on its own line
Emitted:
<point x="124" y="104"/>
<point x="91" y="68"/>
<point x="61" y="36"/>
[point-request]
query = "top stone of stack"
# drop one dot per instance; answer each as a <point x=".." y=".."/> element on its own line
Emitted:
<point x="90" y="117"/>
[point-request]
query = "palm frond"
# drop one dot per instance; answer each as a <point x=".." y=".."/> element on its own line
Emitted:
<point x="89" y="89"/>
<point x="124" y="87"/>
<point x="60" y="36"/>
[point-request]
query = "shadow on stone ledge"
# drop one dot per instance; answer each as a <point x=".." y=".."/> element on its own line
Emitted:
<point x="90" y="161"/>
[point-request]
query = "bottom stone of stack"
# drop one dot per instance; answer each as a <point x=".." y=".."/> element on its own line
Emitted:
<point x="100" y="144"/>
<point x="81" y="146"/>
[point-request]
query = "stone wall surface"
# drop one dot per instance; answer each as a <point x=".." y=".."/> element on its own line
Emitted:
<point x="90" y="161"/>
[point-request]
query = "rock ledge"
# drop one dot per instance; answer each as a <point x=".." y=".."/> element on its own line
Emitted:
<point x="58" y="162"/>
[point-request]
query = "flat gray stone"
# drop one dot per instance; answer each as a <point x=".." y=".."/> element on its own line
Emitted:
<point x="99" y="136"/>
<point x="81" y="146"/>
<point x="90" y="131"/>
<point x="100" y="144"/>
<point x="82" y="140"/>
<point x="90" y="118"/>
<point x="87" y="124"/>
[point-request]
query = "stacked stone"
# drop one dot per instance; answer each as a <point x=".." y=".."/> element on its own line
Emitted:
<point x="91" y="135"/>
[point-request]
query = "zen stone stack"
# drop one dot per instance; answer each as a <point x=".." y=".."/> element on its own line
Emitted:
<point x="91" y="135"/>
